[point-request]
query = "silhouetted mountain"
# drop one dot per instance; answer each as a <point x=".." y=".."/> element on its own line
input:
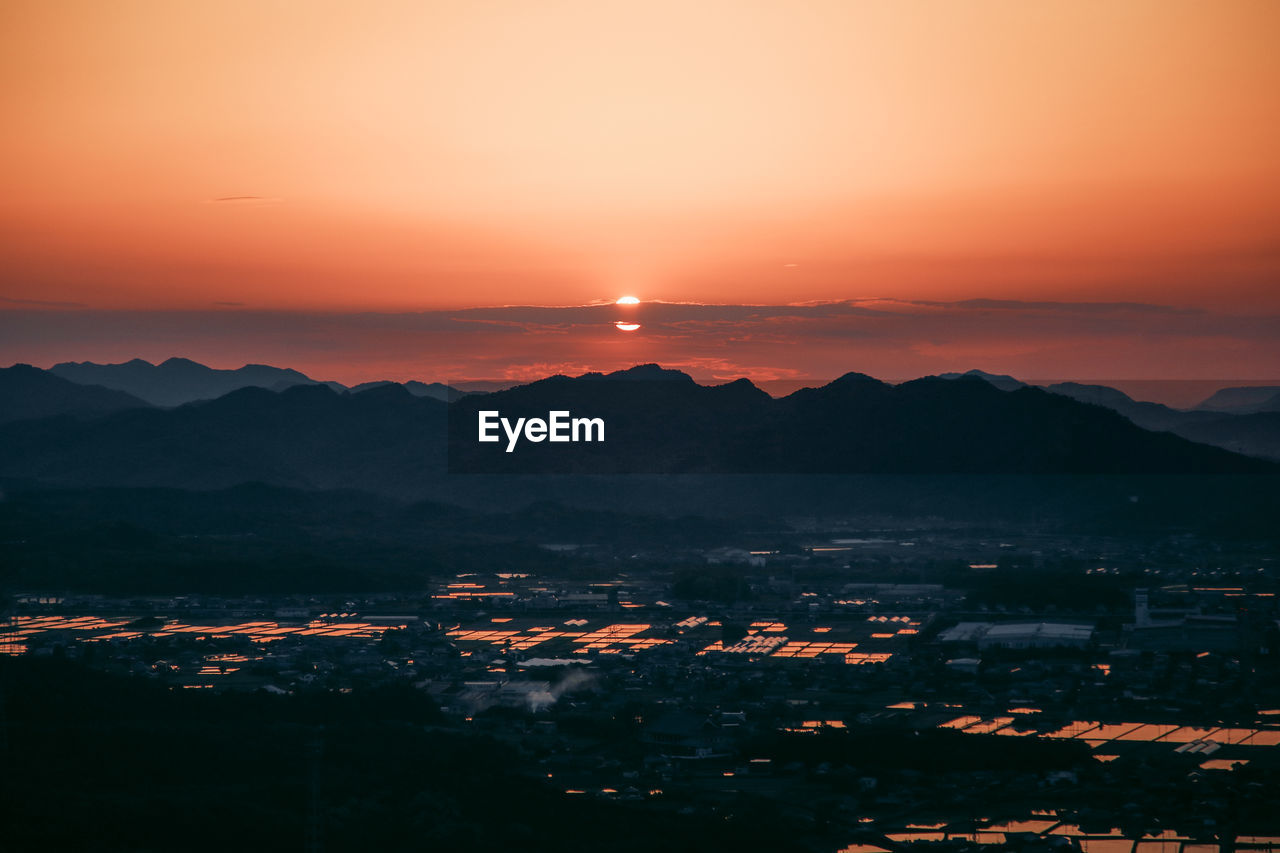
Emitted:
<point x="644" y="373"/>
<point x="180" y="380"/>
<point x="435" y="390"/>
<point x="1256" y="435"/>
<point x="387" y="441"/>
<point x="1001" y="380"/>
<point x="1152" y="416"/>
<point x="663" y="422"/>
<point x="383" y="440"/>
<point x="1243" y="400"/>
<point x="656" y="420"/>
<point x="1237" y="433"/>
<point x="29" y="392"/>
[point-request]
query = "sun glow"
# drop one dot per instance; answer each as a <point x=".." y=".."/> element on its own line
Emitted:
<point x="627" y="300"/>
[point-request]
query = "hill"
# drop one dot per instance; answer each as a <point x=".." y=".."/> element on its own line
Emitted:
<point x="179" y="380"/>
<point x="661" y="421"/>
<point x="1243" y="400"/>
<point x="28" y="392"/>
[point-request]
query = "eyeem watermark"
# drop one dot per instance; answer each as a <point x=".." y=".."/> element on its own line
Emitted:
<point x="558" y="427"/>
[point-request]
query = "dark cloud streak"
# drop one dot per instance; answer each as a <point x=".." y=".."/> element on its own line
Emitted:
<point x="888" y="338"/>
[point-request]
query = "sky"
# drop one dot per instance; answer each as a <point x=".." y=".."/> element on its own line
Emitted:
<point x="381" y="189"/>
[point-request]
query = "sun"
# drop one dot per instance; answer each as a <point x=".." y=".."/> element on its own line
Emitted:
<point x="627" y="300"/>
<point x="626" y="327"/>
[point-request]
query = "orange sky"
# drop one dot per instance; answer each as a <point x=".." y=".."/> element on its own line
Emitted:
<point x="393" y="156"/>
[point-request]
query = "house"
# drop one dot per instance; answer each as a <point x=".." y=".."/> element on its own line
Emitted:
<point x="686" y="736"/>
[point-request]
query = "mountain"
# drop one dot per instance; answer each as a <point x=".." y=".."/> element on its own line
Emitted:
<point x="1243" y="400"/>
<point x="435" y="390"/>
<point x="1257" y="434"/>
<point x="661" y="421"/>
<point x="387" y="441"/>
<point x="1152" y="416"/>
<point x="1252" y="435"/>
<point x="179" y="380"/>
<point x="308" y="436"/>
<point x="28" y="392"/>
<point x="1000" y="380"/>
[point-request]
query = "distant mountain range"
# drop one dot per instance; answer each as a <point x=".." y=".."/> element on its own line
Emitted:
<point x="434" y="390"/>
<point x="1240" y="400"/>
<point x="1244" y="401"/>
<point x="27" y="392"/>
<point x="176" y="381"/>
<point x="1002" y="381"/>
<point x="661" y="421"/>
<point x="1152" y="416"/>
<point x="960" y="450"/>
<point x="307" y="436"/>
<point x="1243" y="420"/>
<point x="391" y="438"/>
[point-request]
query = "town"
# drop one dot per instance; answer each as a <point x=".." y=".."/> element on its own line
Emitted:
<point x="873" y="690"/>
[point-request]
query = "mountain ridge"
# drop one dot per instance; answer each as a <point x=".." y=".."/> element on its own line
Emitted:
<point x="1243" y="400"/>
<point x="383" y="438"/>
<point x="177" y="380"/>
<point x="856" y="424"/>
<point x="28" y="392"/>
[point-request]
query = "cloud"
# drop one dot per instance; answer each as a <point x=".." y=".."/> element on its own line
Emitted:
<point x="1072" y="307"/>
<point x="41" y="303"/>
<point x="246" y="200"/>
<point x="892" y="339"/>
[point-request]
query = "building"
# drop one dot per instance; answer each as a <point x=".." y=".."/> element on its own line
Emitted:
<point x="1019" y="635"/>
